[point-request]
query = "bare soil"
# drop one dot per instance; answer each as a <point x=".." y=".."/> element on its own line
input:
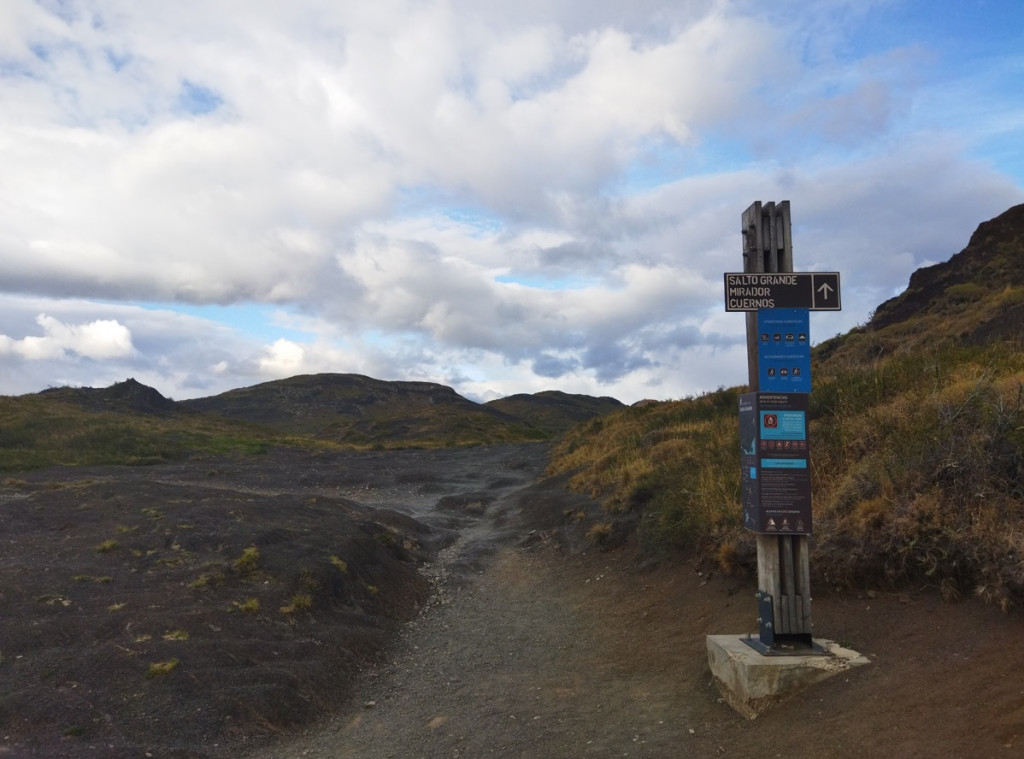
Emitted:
<point x="472" y="619"/>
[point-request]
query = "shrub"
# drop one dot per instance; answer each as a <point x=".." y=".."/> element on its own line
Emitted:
<point x="206" y="580"/>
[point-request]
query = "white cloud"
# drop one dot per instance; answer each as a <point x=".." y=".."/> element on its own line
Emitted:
<point x="99" y="340"/>
<point x="283" y="359"/>
<point x="498" y="195"/>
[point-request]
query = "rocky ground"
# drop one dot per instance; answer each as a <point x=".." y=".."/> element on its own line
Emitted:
<point x="191" y="610"/>
<point x="448" y="615"/>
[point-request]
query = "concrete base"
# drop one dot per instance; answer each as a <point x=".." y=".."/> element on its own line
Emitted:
<point x="751" y="682"/>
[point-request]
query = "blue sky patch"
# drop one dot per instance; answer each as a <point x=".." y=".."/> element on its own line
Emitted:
<point x="197" y="99"/>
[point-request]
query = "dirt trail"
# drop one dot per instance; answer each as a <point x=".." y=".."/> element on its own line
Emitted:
<point x="519" y="663"/>
<point x="543" y="655"/>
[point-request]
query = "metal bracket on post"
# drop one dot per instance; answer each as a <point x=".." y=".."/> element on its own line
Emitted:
<point x="772" y="643"/>
<point x="765" y="624"/>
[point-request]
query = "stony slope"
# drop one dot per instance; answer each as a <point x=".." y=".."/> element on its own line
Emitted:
<point x="974" y="298"/>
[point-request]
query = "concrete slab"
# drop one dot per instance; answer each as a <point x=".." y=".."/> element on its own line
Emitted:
<point x="751" y="682"/>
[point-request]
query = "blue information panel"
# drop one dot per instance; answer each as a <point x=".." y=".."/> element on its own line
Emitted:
<point x="784" y="350"/>
<point x="776" y="477"/>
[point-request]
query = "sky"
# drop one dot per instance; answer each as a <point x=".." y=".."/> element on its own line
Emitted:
<point x="501" y="197"/>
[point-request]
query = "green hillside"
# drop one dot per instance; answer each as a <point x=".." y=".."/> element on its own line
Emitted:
<point x="917" y="443"/>
<point x="129" y="423"/>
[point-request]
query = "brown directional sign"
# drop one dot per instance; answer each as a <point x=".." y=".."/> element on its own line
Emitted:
<point x="817" y="291"/>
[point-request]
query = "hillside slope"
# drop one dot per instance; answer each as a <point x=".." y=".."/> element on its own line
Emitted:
<point x="130" y="423"/>
<point x="553" y="411"/>
<point x="975" y="298"/>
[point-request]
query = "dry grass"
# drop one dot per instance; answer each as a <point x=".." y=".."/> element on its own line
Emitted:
<point x="918" y="471"/>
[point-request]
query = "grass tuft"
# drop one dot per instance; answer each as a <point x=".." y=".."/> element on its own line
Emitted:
<point x="299" y="602"/>
<point x="161" y="668"/>
<point x="248" y="606"/>
<point x="248" y="562"/>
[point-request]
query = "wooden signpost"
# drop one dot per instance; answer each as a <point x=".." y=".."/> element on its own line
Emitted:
<point x="773" y="420"/>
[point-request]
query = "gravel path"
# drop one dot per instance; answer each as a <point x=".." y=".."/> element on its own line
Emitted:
<point x="516" y="664"/>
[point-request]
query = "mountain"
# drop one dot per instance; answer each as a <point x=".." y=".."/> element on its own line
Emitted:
<point x="130" y="423"/>
<point x="354" y="409"/>
<point x="128" y="396"/>
<point x="553" y="411"/>
<point x="975" y="298"/>
<point x="351" y="408"/>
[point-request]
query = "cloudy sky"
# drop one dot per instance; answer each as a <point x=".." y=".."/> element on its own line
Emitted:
<point x="498" y="196"/>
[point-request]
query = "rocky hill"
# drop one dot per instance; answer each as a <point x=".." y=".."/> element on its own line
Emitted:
<point x="987" y="270"/>
<point x="975" y="298"/>
<point x="128" y="396"/>
<point x="351" y="408"/>
<point x="554" y="411"/>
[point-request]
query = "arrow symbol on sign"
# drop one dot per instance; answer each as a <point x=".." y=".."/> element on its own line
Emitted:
<point x="825" y="289"/>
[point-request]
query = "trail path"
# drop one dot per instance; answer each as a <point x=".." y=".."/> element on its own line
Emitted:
<point x="528" y="652"/>
<point x="547" y="656"/>
<point x="521" y="662"/>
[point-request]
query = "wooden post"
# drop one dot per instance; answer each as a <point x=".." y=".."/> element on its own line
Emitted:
<point x="783" y="563"/>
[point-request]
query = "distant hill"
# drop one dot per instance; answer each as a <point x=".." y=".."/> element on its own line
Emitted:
<point x="128" y="396"/>
<point x="354" y="409"/>
<point x="129" y="422"/>
<point x="554" y="411"/>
